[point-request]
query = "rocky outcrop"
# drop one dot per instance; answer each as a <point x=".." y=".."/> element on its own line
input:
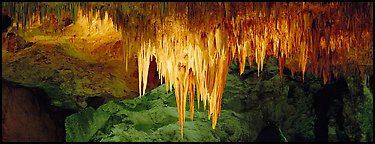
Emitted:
<point x="294" y="106"/>
<point x="70" y="77"/>
<point x="151" y="118"/>
<point x="286" y="102"/>
<point x="27" y="117"/>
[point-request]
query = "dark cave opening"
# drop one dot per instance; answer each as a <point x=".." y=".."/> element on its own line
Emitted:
<point x="95" y="102"/>
<point x="6" y="21"/>
<point x="40" y="120"/>
<point x="371" y="83"/>
<point x="57" y="115"/>
<point x="269" y="133"/>
<point x="330" y="98"/>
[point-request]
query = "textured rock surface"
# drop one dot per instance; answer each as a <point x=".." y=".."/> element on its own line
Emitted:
<point x="249" y="102"/>
<point x="267" y="98"/>
<point x="69" y="77"/>
<point x="26" y="117"/>
<point x="153" y="117"/>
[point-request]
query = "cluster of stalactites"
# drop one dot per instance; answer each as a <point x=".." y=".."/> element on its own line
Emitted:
<point x="313" y="37"/>
<point x="188" y="62"/>
<point x="304" y="36"/>
<point x="194" y="43"/>
<point x="24" y="14"/>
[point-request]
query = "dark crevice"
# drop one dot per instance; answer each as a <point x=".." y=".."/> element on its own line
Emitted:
<point x="95" y="102"/>
<point x="327" y="99"/>
<point x="6" y="22"/>
<point x="371" y="83"/>
<point x="269" y="133"/>
<point x="39" y="101"/>
<point x="58" y="115"/>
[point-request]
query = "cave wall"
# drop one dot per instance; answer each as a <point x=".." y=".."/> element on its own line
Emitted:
<point x="25" y="116"/>
<point x="287" y="102"/>
<point x="290" y="104"/>
<point x="69" y="80"/>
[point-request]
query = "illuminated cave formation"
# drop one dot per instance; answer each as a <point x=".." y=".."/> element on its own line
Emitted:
<point x="194" y="43"/>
